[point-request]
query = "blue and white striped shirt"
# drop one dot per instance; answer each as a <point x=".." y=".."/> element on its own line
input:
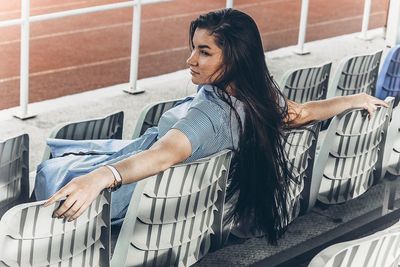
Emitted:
<point x="206" y="120"/>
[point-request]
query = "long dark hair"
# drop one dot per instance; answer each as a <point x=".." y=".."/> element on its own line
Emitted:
<point x="259" y="176"/>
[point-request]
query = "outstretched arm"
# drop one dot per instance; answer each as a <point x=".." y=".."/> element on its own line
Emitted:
<point x="324" y="109"/>
<point x="172" y="148"/>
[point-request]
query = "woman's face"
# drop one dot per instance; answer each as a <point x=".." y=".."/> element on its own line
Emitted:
<point x="205" y="60"/>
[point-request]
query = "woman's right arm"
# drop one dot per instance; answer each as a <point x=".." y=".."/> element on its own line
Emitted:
<point x="324" y="109"/>
<point x="174" y="147"/>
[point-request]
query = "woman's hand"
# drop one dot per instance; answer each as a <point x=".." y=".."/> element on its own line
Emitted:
<point x="172" y="148"/>
<point x="80" y="193"/>
<point x="367" y="102"/>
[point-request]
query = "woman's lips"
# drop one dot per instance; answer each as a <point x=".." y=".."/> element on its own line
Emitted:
<point x="192" y="72"/>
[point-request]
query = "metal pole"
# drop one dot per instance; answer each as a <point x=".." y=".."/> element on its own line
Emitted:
<point x="76" y="12"/>
<point x="393" y="25"/>
<point x="229" y="3"/>
<point x="137" y="10"/>
<point x="302" y="29"/>
<point x="367" y="11"/>
<point x="24" y="62"/>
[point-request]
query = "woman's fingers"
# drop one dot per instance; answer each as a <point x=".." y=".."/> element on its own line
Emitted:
<point x="63" y="192"/>
<point x="65" y="206"/>
<point x="376" y="101"/>
<point x="74" y="207"/>
<point x="381" y="103"/>
<point x="369" y="102"/>
<point x="80" y="211"/>
<point x="79" y="193"/>
<point x="371" y="108"/>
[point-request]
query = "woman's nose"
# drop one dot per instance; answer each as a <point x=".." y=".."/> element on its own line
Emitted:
<point x="191" y="61"/>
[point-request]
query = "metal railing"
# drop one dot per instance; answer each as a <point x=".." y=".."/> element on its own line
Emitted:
<point x="303" y="25"/>
<point x="26" y="20"/>
<point x="393" y="24"/>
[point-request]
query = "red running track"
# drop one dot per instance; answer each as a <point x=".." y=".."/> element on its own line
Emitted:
<point x="85" y="52"/>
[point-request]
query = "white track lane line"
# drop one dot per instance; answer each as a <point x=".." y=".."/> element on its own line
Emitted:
<point x="51" y="35"/>
<point x="156" y="52"/>
<point x="157" y="19"/>
<point x="99" y="28"/>
<point x="88" y="65"/>
<point x="17" y="11"/>
<point x="173" y="16"/>
<point x="322" y="23"/>
<point x="93" y="64"/>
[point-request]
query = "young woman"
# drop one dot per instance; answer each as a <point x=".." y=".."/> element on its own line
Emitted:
<point x="238" y="106"/>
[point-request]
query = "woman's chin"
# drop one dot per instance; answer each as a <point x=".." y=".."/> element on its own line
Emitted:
<point x="195" y="81"/>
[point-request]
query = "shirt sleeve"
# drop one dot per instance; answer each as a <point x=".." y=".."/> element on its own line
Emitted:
<point x="201" y="123"/>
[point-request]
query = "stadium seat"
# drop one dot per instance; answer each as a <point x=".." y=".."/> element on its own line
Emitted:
<point x="392" y="148"/>
<point x="151" y="114"/>
<point x="29" y="236"/>
<point x="351" y="156"/>
<point x="14" y="172"/>
<point x="389" y="77"/>
<point x="306" y="84"/>
<point x="108" y="127"/>
<point x="175" y="217"/>
<point x="300" y="145"/>
<point x="355" y="74"/>
<point x="380" y="249"/>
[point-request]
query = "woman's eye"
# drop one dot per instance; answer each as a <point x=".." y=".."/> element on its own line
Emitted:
<point x="204" y="53"/>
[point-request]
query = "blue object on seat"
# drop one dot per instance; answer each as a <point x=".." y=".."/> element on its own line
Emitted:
<point x="388" y="83"/>
<point x="109" y="127"/>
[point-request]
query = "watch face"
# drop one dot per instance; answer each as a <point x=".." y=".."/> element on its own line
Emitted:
<point x="115" y="185"/>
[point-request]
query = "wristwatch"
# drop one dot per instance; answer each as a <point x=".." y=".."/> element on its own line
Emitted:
<point x="117" y="178"/>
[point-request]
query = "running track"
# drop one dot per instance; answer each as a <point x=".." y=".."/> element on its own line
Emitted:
<point x="81" y="53"/>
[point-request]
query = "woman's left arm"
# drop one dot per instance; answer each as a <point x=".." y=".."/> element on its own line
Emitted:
<point x="324" y="109"/>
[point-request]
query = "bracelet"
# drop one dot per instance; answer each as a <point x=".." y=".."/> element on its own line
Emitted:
<point x="117" y="178"/>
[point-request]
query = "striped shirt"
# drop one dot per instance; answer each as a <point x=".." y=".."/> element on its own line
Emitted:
<point x="207" y="121"/>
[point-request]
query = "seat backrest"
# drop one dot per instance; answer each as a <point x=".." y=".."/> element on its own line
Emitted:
<point x="392" y="149"/>
<point x="306" y="84"/>
<point x="174" y="217"/>
<point x="29" y="236"/>
<point x="151" y="114"/>
<point x="300" y="145"/>
<point x="108" y="127"/>
<point x="14" y="172"/>
<point x="351" y="155"/>
<point x="388" y="83"/>
<point x="380" y="249"/>
<point x="356" y="75"/>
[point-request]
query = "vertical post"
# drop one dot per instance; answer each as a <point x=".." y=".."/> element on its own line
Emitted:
<point x="389" y="196"/>
<point x="229" y="3"/>
<point x="135" y="44"/>
<point x="365" y="21"/>
<point x="302" y="29"/>
<point x="393" y="24"/>
<point x="24" y="63"/>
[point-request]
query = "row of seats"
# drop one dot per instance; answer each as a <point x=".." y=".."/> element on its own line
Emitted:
<point x="176" y="217"/>
<point x="353" y="75"/>
<point x="173" y="199"/>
